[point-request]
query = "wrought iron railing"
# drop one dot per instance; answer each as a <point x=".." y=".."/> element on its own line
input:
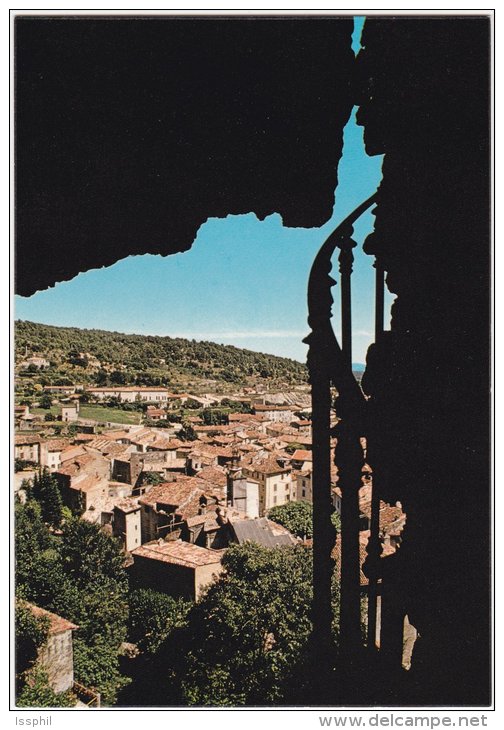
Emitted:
<point x="330" y="366"/>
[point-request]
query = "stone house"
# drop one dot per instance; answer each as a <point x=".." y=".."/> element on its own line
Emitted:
<point x="83" y="480"/>
<point x="284" y="414"/>
<point x="274" y="482"/>
<point x="70" y="413"/>
<point x="165" y="507"/>
<point x="56" y="656"/>
<point x="131" y="394"/>
<point x="126" y="523"/>
<point x="27" y="447"/>
<point x="302" y="459"/>
<point x="50" y="453"/>
<point x="304" y="486"/>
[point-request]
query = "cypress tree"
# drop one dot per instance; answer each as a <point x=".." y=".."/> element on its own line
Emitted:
<point x="50" y="499"/>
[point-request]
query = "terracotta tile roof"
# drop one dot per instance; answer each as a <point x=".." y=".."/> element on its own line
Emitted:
<point x="267" y="466"/>
<point x="214" y="475"/>
<point x="298" y="438"/>
<point x="302" y="455"/>
<point x="262" y="531"/>
<point x="161" y="444"/>
<point x="127" y="504"/>
<point x="22" y="439"/>
<point x="179" y="553"/>
<point x="72" y="452"/>
<point x="57" y="444"/>
<point x="57" y="623"/>
<point x="88" y="482"/>
<point x="116" y="435"/>
<point x="212" y="451"/>
<point x="241" y="417"/>
<point x="84" y="437"/>
<point x="175" y="494"/>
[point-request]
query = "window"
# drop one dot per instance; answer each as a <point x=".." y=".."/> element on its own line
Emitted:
<point x="274" y="487"/>
<point x="274" y="500"/>
<point x="303" y="493"/>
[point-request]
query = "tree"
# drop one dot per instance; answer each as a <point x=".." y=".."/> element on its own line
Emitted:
<point x="245" y="638"/>
<point x="90" y="555"/>
<point x="50" y="500"/>
<point x="81" y="577"/>
<point x="32" y="539"/>
<point x="46" y="491"/>
<point x="152" y="477"/>
<point x="293" y="446"/>
<point x="45" y="402"/>
<point x="31" y="634"/>
<point x="187" y="433"/>
<point x="38" y="693"/>
<point x="152" y="617"/>
<point x="297" y="517"/>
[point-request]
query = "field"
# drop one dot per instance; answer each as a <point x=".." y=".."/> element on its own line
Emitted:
<point x="101" y="414"/>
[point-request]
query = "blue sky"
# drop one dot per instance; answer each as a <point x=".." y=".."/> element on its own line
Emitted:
<point x="243" y="282"/>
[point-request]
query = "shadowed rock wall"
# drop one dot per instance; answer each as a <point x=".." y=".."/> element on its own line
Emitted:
<point x="132" y="132"/>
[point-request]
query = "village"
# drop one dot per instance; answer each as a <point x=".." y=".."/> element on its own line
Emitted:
<point x="176" y="496"/>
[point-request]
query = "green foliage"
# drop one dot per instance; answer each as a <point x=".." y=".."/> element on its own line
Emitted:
<point x="293" y="446"/>
<point x="97" y="666"/>
<point x="152" y="477"/>
<point x="187" y="433"/>
<point x="32" y="539"/>
<point x="297" y="517"/>
<point x="248" y="633"/>
<point x="79" y="576"/>
<point x="31" y="634"/>
<point x="45" y="402"/>
<point x="46" y="491"/>
<point x="89" y="555"/>
<point x="152" y="617"/>
<point x="37" y="692"/>
<point x="213" y="416"/>
<point x="22" y="464"/>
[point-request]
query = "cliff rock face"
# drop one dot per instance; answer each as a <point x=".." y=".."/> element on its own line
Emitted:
<point x="132" y="132"/>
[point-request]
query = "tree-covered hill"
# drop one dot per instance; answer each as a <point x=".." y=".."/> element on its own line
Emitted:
<point x="100" y="357"/>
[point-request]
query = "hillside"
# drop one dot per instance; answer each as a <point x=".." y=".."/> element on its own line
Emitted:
<point x="108" y="358"/>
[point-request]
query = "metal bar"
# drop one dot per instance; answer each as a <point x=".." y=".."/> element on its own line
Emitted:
<point x="329" y="364"/>
<point x="346" y="317"/>
<point x="349" y="459"/>
<point x="379" y="301"/>
<point x="323" y="531"/>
